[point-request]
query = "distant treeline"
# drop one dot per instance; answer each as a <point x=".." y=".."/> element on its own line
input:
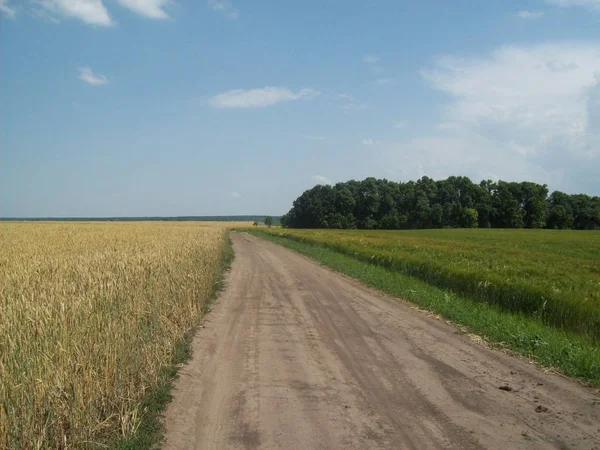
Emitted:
<point x="454" y="202"/>
<point x="144" y="219"/>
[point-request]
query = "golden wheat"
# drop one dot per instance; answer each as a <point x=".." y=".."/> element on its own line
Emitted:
<point x="88" y="314"/>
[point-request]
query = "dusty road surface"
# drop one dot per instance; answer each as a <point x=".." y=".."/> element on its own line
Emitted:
<point x="297" y="357"/>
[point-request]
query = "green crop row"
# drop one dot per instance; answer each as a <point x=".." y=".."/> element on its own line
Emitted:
<point x="524" y="271"/>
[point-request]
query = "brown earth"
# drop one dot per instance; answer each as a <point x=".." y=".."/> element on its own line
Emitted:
<point x="295" y="356"/>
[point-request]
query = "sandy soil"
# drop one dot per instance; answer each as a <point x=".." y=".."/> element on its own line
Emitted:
<point x="295" y="356"/>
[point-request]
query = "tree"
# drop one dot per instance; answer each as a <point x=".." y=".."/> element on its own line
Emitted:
<point x="508" y="212"/>
<point x="421" y="217"/>
<point x="483" y="203"/>
<point x="560" y="211"/>
<point x="268" y="221"/>
<point x="437" y="214"/>
<point x="559" y="218"/>
<point x="285" y="220"/>
<point x="533" y="200"/>
<point x="585" y="212"/>
<point x="368" y="203"/>
<point x="454" y="202"/>
<point x="469" y="218"/>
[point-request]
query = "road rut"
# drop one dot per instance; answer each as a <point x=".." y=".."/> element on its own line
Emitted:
<point x="295" y="356"/>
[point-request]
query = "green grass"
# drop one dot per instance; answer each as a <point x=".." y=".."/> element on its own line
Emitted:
<point x="554" y="275"/>
<point x="576" y="355"/>
<point x="151" y="430"/>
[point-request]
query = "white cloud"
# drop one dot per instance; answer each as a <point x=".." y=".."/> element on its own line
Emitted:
<point x="259" y="98"/>
<point x="382" y="81"/>
<point x="530" y="15"/>
<point x="350" y="103"/>
<point x="7" y="10"/>
<point x="91" y="12"/>
<point x="320" y="179"/>
<point x="449" y="125"/>
<point x="355" y="106"/>
<point x="235" y="195"/>
<point x="368" y="142"/>
<point x="527" y="112"/>
<point x="532" y="86"/>
<point x="590" y="4"/>
<point x="44" y="14"/>
<point x="225" y="7"/>
<point x="373" y="62"/>
<point x="152" y="9"/>
<point x="310" y="137"/>
<point x="86" y="74"/>
<point x="468" y="154"/>
<point x="400" y="125"/>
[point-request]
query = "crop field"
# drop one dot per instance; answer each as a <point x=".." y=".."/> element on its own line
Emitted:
<point x="554" y="275"/>
<point x="89" y="312"/>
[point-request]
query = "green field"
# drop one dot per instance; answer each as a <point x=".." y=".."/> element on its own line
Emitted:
<point x="552" y="275"/>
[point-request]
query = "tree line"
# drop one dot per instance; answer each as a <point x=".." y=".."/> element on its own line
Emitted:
<point x="454" y="202"/>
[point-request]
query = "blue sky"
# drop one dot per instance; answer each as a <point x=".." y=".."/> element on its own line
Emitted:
<point x="181" y="107"/>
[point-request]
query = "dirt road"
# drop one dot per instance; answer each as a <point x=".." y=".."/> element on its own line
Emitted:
<point x="297" y="357"/>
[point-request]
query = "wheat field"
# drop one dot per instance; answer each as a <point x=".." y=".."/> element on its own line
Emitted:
<point x="89" y="312"/>
<point x="550" y="274"/>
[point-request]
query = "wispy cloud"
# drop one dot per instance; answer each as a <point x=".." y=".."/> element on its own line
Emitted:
<point x="383" y="81"/>
<point x="86" y="74"/>
<point x="368" y="142"/>
<point x="259" y="98"/>
<point x="44" y="14"/>
<point x="224" y="7"/>
<point x="91" y="12"/>
<point x="400" y="125"/>
<point x="235" y="195"/>
<point x="355" y="106"/>
<point x="590" y="4"/>
<point x="530" y="15"/>
<point x="311" y="137"/>
<point x="372" y="61"/>
<point x="153" y="9"/>
<point x="7" y="10"/>
<point x="346" y="97"/>
<point x="350" y="103"/>
<point x="448" y="125"/>
<point x="528" y="112"/>
<point x="320" y="179"/>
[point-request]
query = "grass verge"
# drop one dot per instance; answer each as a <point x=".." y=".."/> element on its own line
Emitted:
<point x="523" y="271"/>
<point x="150" y="432"/>
<point x="571" y="354"/>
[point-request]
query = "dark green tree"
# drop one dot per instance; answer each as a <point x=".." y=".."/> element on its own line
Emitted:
<point x="559" y="218"/>
<point x="533" y="200"/>
<point x="585" y="212"/>
<point x="507" y="207"/>
<point x="453" y="202"/>
<point x="560" y="211"/>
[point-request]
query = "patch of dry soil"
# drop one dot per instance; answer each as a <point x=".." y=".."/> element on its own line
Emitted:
<point x="295" y="356"/>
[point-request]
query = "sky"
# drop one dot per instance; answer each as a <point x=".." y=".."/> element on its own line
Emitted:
<point x="219" y="107"/>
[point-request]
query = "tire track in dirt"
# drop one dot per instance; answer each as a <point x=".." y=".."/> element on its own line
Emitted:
<point x="296" y="356"/>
